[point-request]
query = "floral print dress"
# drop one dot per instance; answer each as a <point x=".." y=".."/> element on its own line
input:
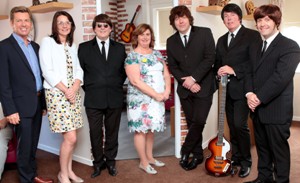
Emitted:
<point x="64" y="116"/>
<point x="144" y="113"/>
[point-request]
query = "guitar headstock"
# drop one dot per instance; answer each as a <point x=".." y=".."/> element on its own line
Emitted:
<point x="224" y="80"/>
<point x="138" y="8"/>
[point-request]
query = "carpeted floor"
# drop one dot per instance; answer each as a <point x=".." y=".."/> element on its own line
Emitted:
<point x="130" y="173"/>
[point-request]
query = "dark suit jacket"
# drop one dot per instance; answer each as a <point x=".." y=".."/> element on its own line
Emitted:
<point x="195" y="60"/>
<point x="271" y="79"/>
<point x="236" y="56"/>
<point x="103" y="80"/>
<point x="17" y="82"/>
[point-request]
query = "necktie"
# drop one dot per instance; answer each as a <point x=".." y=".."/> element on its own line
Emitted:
<point x="231" y="40"/>
<point x="185" y="40"/>
<point x="264" y="48"/>
<point x="103" y="50"/>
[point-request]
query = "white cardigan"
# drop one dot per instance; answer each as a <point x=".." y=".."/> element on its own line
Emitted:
<point x="54" y="65"/>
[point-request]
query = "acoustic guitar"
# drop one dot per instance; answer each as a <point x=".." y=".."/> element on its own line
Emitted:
<point x="129" y="28"/>
<point x="217" y="163"/>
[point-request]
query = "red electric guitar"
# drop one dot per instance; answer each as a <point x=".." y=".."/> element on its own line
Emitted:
<point x="218" y="164"/>
<point x="129" y="28"/>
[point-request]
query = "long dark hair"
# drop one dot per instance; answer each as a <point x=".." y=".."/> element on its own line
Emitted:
<point x="55" y="28"/>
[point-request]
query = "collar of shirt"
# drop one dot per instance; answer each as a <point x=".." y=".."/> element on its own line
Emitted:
<point x="20" y="40"/>
<point x="234" y="32"/>
<point x="100" y="44"/>
<point x="270" y="39"/>
<point x="187" y="34"/>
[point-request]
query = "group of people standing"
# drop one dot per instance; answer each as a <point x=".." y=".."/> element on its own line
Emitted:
<point x="36" y="79"/>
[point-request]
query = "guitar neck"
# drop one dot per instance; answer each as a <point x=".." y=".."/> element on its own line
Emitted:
<point x="221" y="115"/>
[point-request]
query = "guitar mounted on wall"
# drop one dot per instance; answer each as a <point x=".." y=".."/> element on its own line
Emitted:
<point x="129" y="28"/>
<point x="217" y="164"/>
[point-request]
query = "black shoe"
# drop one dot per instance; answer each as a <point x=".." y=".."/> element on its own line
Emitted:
<point x="235" y="163"/>
<point x="257" y="180"/>
<point x="244" y="172"/>
<point x="184" y="160"/>
<point x="112" y="170"/>
<point x="194" y="163"/>
<point x="97" y="170"/>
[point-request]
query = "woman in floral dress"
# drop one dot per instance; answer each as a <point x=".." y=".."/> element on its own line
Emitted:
<point x="148" y="88"/>
<point x="63" y="77"/>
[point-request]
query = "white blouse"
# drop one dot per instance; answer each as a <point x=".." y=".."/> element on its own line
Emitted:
<point x="54" y="65"/>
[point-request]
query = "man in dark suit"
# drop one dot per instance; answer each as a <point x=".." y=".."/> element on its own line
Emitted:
<point x="269" y="87"/>
<point x="21" y="91"/>
<point x="104" y="75"/>
<point x="191" y="54"/>
<point x="232" y="58"/>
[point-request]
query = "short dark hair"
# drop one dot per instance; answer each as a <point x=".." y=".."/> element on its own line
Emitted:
<point x="103" y="18"/>
<point x="180" y="11"/>
<point x="54" y="33"/>
<point x="234" y="9"/>
<point x="270" y="10"/>
<point x="20" y="9"/>
<point x="140" y="29"/>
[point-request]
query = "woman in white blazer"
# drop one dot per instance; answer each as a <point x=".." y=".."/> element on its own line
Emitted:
<point x="63" y="78"/>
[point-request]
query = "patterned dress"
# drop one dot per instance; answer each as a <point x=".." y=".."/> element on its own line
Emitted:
<point x="144" y="113"/>
<point x="64" y="116"/>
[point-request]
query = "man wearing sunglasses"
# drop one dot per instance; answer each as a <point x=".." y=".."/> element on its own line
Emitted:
<point x="102" y="61"/>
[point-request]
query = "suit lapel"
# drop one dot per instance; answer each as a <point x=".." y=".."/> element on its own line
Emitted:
<point x="97" y="49"/>
<point x="20" y="52"/>
<point x="110" y="50"/>
<point x="269" y="50"/>
<point x="237" y="38"/>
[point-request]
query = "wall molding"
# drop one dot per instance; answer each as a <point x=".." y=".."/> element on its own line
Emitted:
<point x="77" y="158"/>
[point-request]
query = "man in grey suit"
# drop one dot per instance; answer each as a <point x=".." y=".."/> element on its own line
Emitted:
<point x="104" y="75"/>
<point x="269" y="91"/>
<point x="232" y="59"/>
<point x="191" y="55"/>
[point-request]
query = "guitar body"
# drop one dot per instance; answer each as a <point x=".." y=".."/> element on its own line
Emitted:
<point x="217" y="164"/>
<point x="129" y="28"/>
<point x="127" y="32"/>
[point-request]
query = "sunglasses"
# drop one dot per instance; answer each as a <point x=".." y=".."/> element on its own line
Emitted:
<point x="99" y="25"/>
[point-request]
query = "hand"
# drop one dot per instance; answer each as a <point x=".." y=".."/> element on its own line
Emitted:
<point x="188" y="82"/>
<point x="3" y="123"/>
<point x="159" y="97"/>
<point x="70" y="95"/>
<point x="253" y="101"/>
<point x="13" y="118"/>
<point x="195" y="88"/>
<point x="225" y="70"/>
<point x="166" y="95"/>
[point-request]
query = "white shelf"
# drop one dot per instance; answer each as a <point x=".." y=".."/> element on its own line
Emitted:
<point x="49" y="7"/>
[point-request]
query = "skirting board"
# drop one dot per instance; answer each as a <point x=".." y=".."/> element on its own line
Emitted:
<point x="296" y="118"/>
<point x="79" y="159"/>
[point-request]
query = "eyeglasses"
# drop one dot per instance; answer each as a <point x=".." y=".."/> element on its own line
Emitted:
<point x="61" y="23"/>
<point x="99" y="25"/>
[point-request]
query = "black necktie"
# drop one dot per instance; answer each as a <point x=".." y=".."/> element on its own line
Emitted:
<point x="264" y="48"/>
<point x="231" y="40"/>
<point x="185" y="40"/>
<point x="103" y="50"/>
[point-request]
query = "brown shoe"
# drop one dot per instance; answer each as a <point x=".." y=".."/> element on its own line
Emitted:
<point x="42" y="180"/>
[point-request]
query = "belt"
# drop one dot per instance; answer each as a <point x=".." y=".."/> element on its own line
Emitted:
<point x="39" y="93"/>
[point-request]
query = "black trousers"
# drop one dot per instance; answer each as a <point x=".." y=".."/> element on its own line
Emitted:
<point x="28" y="133"/>
<point x="273" y="150"/>
<point x="104" y="121"/>
<point x="237" y="112"/>
<point x="196" y="111"/>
